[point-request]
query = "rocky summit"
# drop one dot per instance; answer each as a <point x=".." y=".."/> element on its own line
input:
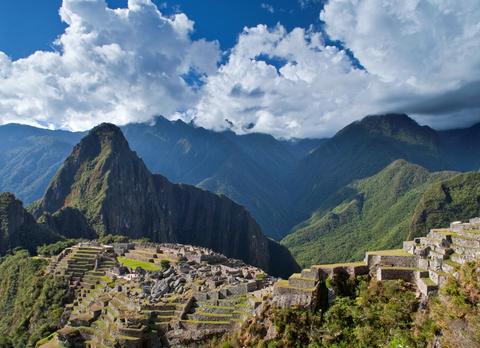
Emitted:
<point x="103" y="188"/>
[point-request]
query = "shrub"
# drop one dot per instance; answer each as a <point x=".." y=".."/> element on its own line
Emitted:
<point x="56" y="248"/>
<point x="111" y="238"/>
<point x="165" y="264"/>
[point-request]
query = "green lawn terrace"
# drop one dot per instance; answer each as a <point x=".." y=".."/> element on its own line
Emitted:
<point x="426" y="262"/>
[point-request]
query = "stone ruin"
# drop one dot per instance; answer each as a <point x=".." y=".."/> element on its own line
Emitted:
<point x="196" y="295"/>
<point x="425" y="262"/>
<point x="199" y="294"/>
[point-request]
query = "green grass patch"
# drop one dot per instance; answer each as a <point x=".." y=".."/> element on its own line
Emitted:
<point x="391" y="252"/>
<point x="344" y="264"/>
<point x="132" y="263"/>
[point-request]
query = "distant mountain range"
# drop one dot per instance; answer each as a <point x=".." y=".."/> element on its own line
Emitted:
<point x="254" y="170"/>
<point x="103" y="187"/>
<point x="289" y="186"/>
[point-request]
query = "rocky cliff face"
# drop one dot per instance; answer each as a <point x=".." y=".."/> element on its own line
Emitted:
<point x="18" y="228"/>
<point x="105" y="181"/>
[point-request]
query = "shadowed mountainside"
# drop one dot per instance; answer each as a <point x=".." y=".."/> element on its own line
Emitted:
<point x="111" y="188"/>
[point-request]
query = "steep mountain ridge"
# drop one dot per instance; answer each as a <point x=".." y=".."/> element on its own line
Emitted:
<point x="446" y="200"/>
<point x="361" y="150"/>
<point x="372" y="213"/>
<point x="280" y="182"/>
<point x="18" y="228"/>
<point x="111" y="187"/>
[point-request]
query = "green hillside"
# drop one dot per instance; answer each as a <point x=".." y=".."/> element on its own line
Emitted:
<point x="374" y="213"/>
<point x="31" y="303"/>
<point x="457" y="198"/>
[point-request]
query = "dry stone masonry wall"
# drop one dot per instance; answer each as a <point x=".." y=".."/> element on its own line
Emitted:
<point x="425" y="262"/>
<point x="155" y="295"/>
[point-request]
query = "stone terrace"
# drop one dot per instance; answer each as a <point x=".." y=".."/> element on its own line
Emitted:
<point x="425" y="262"/>
<point x="125" y="295"/>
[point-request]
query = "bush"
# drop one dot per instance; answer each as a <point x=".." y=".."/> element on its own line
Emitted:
<point x="32" y="303"/>
<point x="111" y="238"/>
<point x="165" y="264"/>
<point x="56" y="248"/>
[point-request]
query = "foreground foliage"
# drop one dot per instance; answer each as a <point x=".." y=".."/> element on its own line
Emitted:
<point x="379" y="314"/>
<point x="456" y="313"/>
<point x="31" y="303"/>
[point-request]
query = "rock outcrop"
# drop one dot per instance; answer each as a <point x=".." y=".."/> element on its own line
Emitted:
<point x="18" y="228"/>
<point x="111" y="187"/>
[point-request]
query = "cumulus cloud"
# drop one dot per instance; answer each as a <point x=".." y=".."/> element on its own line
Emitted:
<point x="420" y="56"/>
<point x="117" y="65"/>
<point x="428" y="51"/>
<point x="284" y="83"/>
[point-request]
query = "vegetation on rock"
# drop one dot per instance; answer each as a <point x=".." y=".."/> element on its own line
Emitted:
<point x="370" y="214"/>
<point x="456" y="198"/>
<point x="31" y="302"/>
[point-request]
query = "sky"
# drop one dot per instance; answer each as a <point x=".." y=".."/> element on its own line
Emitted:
<point x="290" y="68"/>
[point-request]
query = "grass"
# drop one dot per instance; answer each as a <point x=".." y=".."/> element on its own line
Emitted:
<point x="390" y="252"/>
<point x="299" y="276"/>
<point x="211" y="322"/>
<point x="428" y="281"/>
<point x="452" y="263"/>
<point x="343" y="264"/>
<point x="403" y="268"/>
<point x="46" y="339"/>
<point x="131" y="263"/>
<point x="284" y="284"/>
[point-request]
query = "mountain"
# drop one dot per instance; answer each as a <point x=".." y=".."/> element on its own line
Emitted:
<point x="360" y="150"/>
<point x="460" y="147"/>
<point x="29" y="157"/>
<point x="452" y="199"/>
<point x="105" y="183"/>
<point x="369" y="214"/>
<point x="253" y="170"/>
<point x="281" y="182"/>
<point x="18" y="228"/>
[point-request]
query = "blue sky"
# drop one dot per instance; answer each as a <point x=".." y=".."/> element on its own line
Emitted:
<point x="30" y="25"/>
<point x="290" y="68"/>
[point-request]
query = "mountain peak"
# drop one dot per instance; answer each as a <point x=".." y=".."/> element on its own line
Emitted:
<point x="107" y="133"/>
<point x="106" y="129"/>
<point x="105" y="186"/>
<point x="397" y="127"/>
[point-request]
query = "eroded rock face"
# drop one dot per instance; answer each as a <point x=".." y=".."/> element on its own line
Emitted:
<point x="107" y="182"/>
<point x="18" y="228"/>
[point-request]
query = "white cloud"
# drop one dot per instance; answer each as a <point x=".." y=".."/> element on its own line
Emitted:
<point x="267" y="7"/>
<point x="421" y="57"/>
<point x="427" y="51"/>
<point x="305" y="96"/>
<point x="117" y="65"/>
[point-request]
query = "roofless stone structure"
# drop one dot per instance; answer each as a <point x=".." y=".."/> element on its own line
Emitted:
<point x="425" y="262"/>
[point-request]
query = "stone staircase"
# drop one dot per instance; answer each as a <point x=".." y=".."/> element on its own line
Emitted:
<point x="217" y="314"/>
<point x="443" y="251"/>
